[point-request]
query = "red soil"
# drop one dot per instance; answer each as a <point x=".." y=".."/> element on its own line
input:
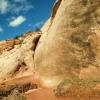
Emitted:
<point x="44" y="94"/>
<point x="41" y="93"/>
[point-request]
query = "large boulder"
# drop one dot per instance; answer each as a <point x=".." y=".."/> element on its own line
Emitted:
<point x="71" y="42"/>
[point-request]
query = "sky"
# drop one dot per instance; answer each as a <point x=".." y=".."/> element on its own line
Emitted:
<point x="20" y="16"/>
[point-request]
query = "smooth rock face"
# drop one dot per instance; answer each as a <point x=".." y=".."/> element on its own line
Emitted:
<point x="69" y="44"/>
<point x="46" y="26"/>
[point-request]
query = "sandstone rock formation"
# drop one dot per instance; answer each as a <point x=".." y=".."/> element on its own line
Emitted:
<point x="71" y="43"/>
<point x="69" y="46"/>
<point x="63" y="55"/>
<point x="20" y="57"/>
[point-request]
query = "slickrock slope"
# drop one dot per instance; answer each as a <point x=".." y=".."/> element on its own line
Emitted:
<point x="8" y="45"/>
<point x="20" y="57"/>
<point x="71" y="47"/>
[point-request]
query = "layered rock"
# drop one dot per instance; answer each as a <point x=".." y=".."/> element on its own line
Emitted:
<point x="20" y="57"/>
<point x="8" y="45"/>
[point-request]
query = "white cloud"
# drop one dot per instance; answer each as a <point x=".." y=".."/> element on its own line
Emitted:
<point x="20" y="6"/>
<point x="3" y="6"/>
<point x="17" y="21"/>
<point x="20" y="0"/>
<point x="1" y="29"/>
<point x="39" y="24"/>
<point x="15" y="6"/>
<point x="17" y="9"/>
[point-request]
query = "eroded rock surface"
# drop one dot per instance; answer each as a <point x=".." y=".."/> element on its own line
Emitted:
<point x="20" y="57"/>
<point x="71" y="43"/>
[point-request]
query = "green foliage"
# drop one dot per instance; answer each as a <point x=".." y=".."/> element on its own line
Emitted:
<point x="38" y="29"/>
<point x="18" y="36"/>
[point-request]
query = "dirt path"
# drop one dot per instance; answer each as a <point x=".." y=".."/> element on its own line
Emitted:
<point x="47" y="94"/>
<point x="44" y="94"/>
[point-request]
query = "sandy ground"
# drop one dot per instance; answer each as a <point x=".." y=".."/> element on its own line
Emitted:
<point x="41" y="93"/>
<point x="44" y="94"/>
<point x="47" y="94"/>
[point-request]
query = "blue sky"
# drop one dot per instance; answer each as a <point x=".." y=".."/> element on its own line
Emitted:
<point x="20" y="16"/>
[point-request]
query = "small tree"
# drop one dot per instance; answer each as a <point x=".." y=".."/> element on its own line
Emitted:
<point x="38" y="29"/>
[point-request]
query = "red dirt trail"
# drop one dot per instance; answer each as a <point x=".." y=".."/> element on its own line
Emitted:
<point x="40" y="93"/>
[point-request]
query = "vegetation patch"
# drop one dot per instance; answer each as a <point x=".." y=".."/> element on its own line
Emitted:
<point x="7" y="91"/>
<point x="77" y="88"/>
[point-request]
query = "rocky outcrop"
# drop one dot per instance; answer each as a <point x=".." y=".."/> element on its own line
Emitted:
<point x="71" y="43"/>
<point x="8" y="45"/>
<point x="20" y="58"/>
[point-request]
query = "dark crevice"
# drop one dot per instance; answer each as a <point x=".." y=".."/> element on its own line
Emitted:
<point x="55" y="8"/>
<point x="35" y="41"/>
